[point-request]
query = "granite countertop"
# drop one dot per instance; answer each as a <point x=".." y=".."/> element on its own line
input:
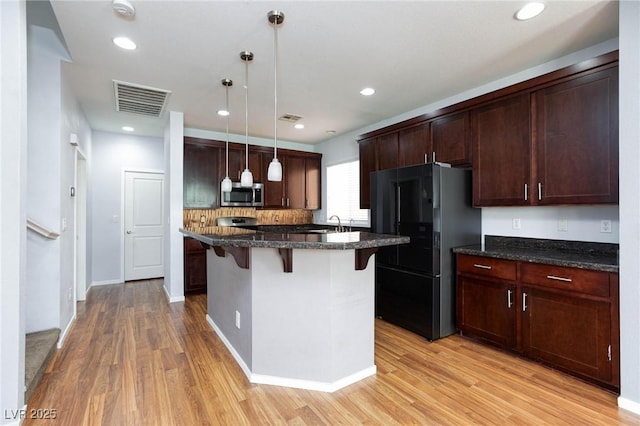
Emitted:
<point x="235" y="237"/>
<point x="574" y="254"/>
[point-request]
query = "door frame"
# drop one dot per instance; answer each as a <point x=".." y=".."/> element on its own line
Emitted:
<point x="123" y="178"/>
<point x="80" y="227"/>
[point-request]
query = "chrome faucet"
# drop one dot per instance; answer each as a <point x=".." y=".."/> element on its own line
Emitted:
<point x="339" y="228"/>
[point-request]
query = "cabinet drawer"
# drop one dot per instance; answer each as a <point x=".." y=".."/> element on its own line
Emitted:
<point x="579" y="280"/>
<point x="487" y="266"/>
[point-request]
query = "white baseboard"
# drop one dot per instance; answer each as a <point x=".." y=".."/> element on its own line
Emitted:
<point x="234" y="353"/>
<point x="105" y="282"/>
<point x="313" y="385"/>
<point x="63" y="335"/>
<point x="172" y="299"/>
<point x="629" y="405"/>
<point x="291" y="383"/>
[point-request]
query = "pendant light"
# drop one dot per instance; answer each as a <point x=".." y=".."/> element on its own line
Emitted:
<point x="246" y="179"/>
<point x="274" y="173"/>
<point x="226" y="182"/>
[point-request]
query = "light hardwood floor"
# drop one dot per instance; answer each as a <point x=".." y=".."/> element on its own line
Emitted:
<point x="133" y="359"/>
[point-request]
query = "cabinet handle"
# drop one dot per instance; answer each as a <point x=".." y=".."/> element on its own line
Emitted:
<point x="282" y="201"/>
<point x="433" y="157"/>
<point x="476" y="265"/>
<point x="509" y="301"/>
<point x="287" y="201"/>
<point x="426" y="160"/>
<point x="553" y="277"/>
<point x="524" y="302"/>
<point x="539" y="191"/>
<point x="526" y="187"/>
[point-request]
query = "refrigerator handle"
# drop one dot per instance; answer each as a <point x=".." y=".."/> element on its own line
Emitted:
<point x="398" y="199"/>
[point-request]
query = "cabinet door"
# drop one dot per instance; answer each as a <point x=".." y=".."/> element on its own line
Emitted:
<point x="195" y="267"/>
<point x="313" y="185"/>
<point x="487" y="309"/>
<point x="569" y="332"/>
<point x="413" y="145"/>
<point x="295" y="187"/>
<point x="451" y="139"/>
<point x="238" y="162"/>
<point x="201" y="180"/>
<point x="577" y="140"/>
<point x="368" y="164"/>
<point x="387" y="151"/>
<point x="502" y="153"/>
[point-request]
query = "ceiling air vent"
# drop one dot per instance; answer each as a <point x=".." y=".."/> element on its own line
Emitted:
<point x="291" y="118"/>
<point x="138" y="99"/>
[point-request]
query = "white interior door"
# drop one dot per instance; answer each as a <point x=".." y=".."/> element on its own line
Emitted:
<point x="143" y="225"/>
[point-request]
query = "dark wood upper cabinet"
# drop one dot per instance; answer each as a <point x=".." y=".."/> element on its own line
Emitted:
<point x="577" y="140"/>
<point x="368" y="164"/>
<point x="201" y="181"/>
<point x="550" y="140"/>
<point x="387" y="146"/>
<point x="313" y="168"/>
<point x="451" y="139"/>
<point x="205" y="167"/>
<point x="237" y="163"/>
<point x="413" y="145"/>
<point x="502" y="152"/>
<point x="295" y="187"/>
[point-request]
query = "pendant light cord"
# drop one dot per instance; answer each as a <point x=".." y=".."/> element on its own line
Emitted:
<point x="227" y="127"/>
<point x="275" y="89"/>
<point x="246" y="113"/>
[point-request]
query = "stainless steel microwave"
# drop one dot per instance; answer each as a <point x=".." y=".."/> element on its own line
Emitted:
<point x="241" y="196"/>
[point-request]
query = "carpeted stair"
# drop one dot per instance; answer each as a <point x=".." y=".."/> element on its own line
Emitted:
<point x="40" y="347"/>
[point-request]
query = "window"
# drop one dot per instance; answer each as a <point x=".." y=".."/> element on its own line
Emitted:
<point x="343" y="194"/>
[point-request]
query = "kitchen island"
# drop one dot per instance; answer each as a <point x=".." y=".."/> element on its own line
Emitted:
<point x="295" y="309"/>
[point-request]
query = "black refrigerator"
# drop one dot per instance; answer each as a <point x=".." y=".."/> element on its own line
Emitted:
<point x="415" y="282"/>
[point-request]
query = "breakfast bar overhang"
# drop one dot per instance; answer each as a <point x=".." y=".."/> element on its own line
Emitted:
<point x="295" y="309"/>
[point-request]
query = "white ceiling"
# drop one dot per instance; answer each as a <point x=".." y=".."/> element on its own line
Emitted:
<point x="413" y="53"/>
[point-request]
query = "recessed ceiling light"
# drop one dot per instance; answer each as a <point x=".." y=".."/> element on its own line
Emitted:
<point x="299" y="126"/>
<point x="223" y="113"/>
<point x="367" y="91"/>
<point x="128" y="128"/>
<point x="530" y="10"/>
<point x="124" y="43"/>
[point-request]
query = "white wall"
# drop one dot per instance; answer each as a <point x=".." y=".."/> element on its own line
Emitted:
<point x="174" y="241"/>
<point x="220" y="136"/>
<point x="111" y="154"/>
<point x="43" y="183"/>
<point x="629" y="205"/>
<point x="13" y="177"/>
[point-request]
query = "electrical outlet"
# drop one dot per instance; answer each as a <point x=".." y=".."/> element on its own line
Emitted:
<point x="563" y="225"/>
<point x="605" y="226"/>
<point x="516" y="223"/>
<point x="237" y="319"/>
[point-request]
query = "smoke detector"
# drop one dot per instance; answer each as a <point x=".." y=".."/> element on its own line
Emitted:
<point x="124" y="8"/>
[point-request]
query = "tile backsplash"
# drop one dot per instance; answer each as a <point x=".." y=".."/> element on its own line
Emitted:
<point x="195" y="219"/>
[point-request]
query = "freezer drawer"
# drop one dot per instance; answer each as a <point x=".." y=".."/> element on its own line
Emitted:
<point x="409" y="300"/>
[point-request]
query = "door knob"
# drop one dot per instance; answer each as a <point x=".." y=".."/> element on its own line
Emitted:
<point x="129" y="232"/>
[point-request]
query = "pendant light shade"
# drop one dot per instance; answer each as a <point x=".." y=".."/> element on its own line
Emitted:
<point x="226" y="182"/>
<point x="274" y="172"/>
<point x="246" y="179"/>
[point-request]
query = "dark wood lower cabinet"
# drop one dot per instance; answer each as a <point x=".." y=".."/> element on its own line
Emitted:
<point x="564" y="317"/>
<point x="568" y="332"/>
<point x="485" y="309"/>
<point x="195" y="267"/>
